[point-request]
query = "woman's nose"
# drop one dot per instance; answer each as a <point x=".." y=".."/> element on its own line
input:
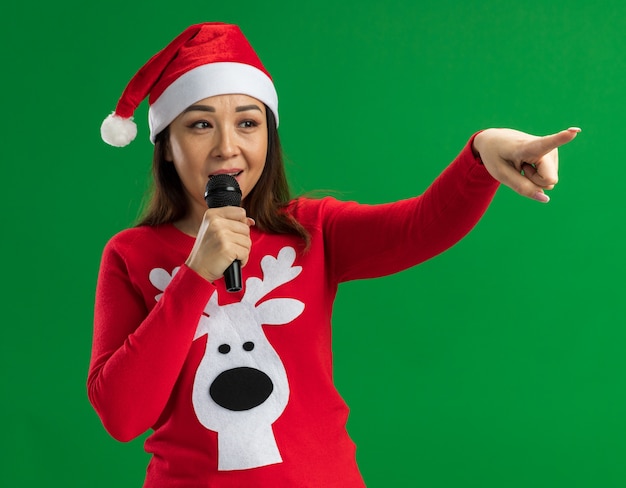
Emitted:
<point x="225" y="145"/>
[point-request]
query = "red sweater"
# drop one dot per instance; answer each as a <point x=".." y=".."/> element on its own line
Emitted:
<point x="238" y="387"/>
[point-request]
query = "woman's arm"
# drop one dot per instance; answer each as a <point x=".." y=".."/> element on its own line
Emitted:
<point x="366" y="241"/>
<point x="137" y="355"/>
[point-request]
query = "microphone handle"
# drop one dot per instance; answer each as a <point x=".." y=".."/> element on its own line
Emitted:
<point x="232" y="276"/>
<point x="222" y="191"/>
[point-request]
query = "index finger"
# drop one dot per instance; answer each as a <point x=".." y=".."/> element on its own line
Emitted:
<point x="228" y="212"/>
<point x="543" y="145"/>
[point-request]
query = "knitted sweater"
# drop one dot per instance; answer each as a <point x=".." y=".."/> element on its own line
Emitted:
<point x="238" y="387"/>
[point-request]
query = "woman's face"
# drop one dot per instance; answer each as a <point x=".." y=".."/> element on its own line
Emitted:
<point x="220" y="134"/>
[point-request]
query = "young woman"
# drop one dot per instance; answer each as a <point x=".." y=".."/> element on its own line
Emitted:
<point x="237" y="387"/>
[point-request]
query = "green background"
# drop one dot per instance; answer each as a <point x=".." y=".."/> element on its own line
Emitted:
<point x="499" y="363"/>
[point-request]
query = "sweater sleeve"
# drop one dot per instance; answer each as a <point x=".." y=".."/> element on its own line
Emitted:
<point x="366" y="241"/>
<point x="138" y="354"/>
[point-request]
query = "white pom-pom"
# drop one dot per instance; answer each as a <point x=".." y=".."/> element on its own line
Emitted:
<point x="118" y="131"/>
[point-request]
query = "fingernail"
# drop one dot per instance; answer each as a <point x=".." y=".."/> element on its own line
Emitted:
<point x="575" y="129"/>
<point x="541" y="197"/>
<point x="251" y="221"/>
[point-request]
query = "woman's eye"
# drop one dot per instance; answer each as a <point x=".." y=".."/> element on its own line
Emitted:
<point x="247" y="124"/>
<point x="201" y="124"/>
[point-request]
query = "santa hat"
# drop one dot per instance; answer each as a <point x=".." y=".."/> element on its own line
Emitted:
<point x="203" y="61"/>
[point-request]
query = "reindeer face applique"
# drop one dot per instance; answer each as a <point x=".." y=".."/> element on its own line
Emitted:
<point x="241" y="386"/>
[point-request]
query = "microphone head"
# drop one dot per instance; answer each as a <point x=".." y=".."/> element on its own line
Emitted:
<point x="222" y="191"/>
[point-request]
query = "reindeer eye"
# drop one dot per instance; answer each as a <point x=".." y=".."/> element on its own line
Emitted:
<point x="248" y="346"/>
<point x="224" y="349"/>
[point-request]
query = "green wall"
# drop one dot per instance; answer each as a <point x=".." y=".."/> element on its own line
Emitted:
<point x="499" y="363"/>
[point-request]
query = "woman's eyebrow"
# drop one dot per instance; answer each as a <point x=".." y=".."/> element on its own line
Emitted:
<point x="209" y="108"/>
<point x="243" y="108"/>
<point x="203" y="108"/>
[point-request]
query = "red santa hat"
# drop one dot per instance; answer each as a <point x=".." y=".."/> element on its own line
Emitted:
<point x="203" y="61"/>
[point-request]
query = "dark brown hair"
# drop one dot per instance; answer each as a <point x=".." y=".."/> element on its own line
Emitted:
<point x="266" y="203"/>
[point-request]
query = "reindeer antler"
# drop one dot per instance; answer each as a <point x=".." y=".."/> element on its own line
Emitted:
<point x="276" y="271"/>
<point x="160" y="278"/>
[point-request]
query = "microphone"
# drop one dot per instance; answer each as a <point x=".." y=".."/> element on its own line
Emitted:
<point x="223" y="191"/>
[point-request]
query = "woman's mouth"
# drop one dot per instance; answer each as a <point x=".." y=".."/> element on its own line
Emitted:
<point x="234" y="174"/>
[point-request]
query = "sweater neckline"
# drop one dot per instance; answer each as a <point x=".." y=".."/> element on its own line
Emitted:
<point x="174" y="235"/>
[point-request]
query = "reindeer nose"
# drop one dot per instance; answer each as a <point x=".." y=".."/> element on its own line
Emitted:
<point x="241" y="388"/>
